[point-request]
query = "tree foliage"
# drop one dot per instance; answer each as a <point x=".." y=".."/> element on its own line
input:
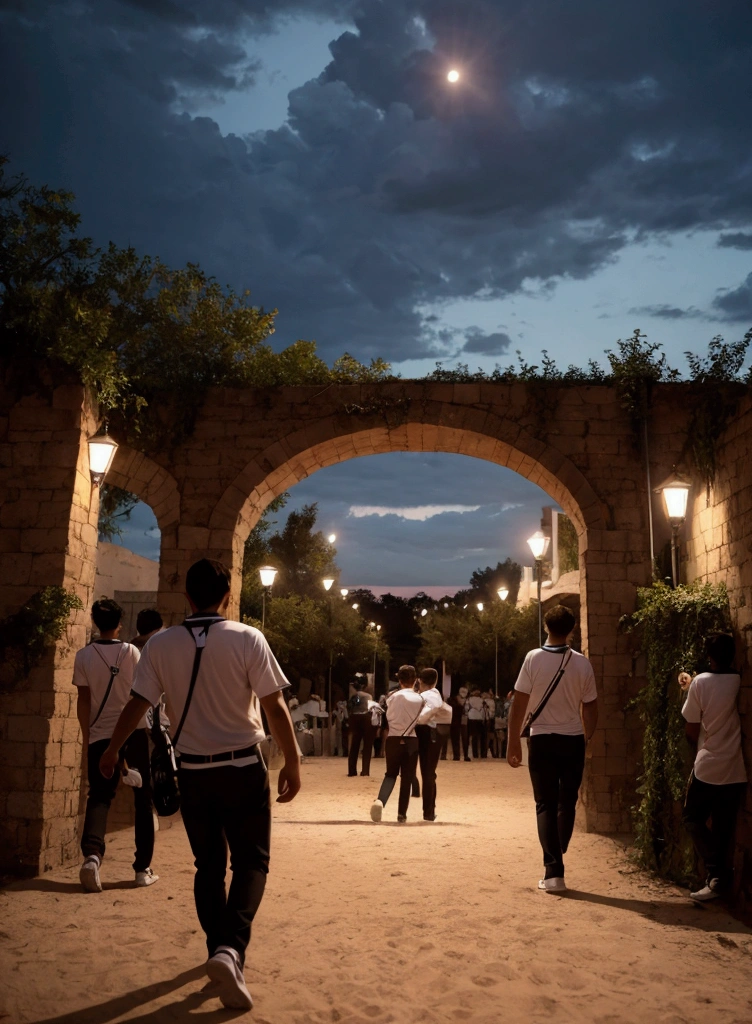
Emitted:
<point x="670" y="627"/>
<point x="28" y="634"/>
<point x="115" y="508"/>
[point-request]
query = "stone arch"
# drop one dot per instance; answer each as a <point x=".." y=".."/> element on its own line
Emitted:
<point x="137" y="473"/>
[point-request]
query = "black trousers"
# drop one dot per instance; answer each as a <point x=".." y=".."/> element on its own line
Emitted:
<point x="429" y="749"/>
<point x="720" y="805"/>
<point x="361" y="730"/>
<point x="102" y="793"/>
<point x="227" y="807"/>
<point x="556" y="765"/>
<point x="402" y="760"/>
<point x="475" y="736"/>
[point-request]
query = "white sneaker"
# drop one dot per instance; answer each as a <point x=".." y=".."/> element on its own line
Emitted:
<point x="708" y="892"/>
<point x="224" y="968"/>
<point x="146" y="877"/>
<point x="376" y="808"/>
<point x="89" y="874"/>
<point x="552" y="885"/>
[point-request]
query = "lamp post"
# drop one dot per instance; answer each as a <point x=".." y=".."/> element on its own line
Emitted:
<point x="102" y="450"/>
<point x="267" y="574"/>
<point x="538" y="544"/>
<point x="328" y="583"/>
<point x="375" y="630"/>
<point x="675" y="491"/>
<point x="503" y="595"/>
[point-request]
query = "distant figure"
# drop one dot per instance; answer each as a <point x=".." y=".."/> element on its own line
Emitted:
<point x="103" y="672"/>
<point x="403" y="709"/>
<point x="213" y="673"/>
<point x="475" y="711"/>
<point x="148" y="622"/>
<point x="719" y="780"/>
<point x="429" y="743"/>
<point x="555" y="696"/>
<point x="362" y="729"/>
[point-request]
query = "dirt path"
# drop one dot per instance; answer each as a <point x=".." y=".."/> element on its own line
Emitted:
<point x="369" y="924"/>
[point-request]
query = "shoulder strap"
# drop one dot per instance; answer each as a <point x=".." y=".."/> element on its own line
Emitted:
<point x="551" y="687"/>
<point x="200" y="642"/>
<point x="114" y="669"/>
<point x="422" y="705"/>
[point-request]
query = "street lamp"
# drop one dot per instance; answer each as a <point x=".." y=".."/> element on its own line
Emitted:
<point x="503" y="595"/>
<point x="328" y="584"/>
<point x="267" y="574"/>
<point x="423" y="612"/>
<point x="332" y="537"/>
<point x="344" y="592"/>
<point x="356" y="606"/>
<point x="102" y="450"/>
<point x="675" y="491"/>
<point x="538" y="544"/>
<point x="479" y="606"/>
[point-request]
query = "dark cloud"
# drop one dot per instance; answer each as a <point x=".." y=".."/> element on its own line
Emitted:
<point x="486" y="344"/>
<point x="736" y="304"/>
<point x="574" y="128"/>
<point x="735" y="240"/>
<point x="664" y="312"/>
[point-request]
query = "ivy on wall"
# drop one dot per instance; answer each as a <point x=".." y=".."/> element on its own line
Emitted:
<point x="669" y="627"/>
<point x="26" y="635"/>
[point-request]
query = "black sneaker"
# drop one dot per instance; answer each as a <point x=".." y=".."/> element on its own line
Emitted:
<point x="402" y="818"/>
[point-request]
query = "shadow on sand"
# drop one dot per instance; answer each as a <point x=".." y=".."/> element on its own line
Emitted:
<point x="179" y="1010"/>
<point x="50" y="885"/>
<point x="389" y="824"/>
<point x="705" y="917"/>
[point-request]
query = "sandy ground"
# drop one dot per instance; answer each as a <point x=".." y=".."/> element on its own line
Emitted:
<point x="369" y="924"/>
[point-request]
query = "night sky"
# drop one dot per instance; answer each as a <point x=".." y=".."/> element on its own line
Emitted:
<point x="591" y="172"/>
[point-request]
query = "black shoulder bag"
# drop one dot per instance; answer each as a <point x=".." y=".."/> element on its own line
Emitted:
<point x="114" y="670"/>
<point x="533" y="715"/>
<point x="164" y="767"/>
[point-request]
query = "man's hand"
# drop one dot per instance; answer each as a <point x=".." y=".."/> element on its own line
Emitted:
<point x="684" y="680"/>
<point x="288" y="783"/>
<point x="514" y="752"/>
<point x="108" y="762"/>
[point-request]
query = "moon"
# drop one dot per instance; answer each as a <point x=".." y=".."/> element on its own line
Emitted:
<point x="453" y="76"/>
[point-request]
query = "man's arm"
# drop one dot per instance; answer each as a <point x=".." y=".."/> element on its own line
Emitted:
<point x="130" y="716"/>
<point x="517" y="714"/>
<point x="692" y="732"/>
<point x="589" y="717"/>
<point x="83" y="713"/>
<point x="283" y="732"/>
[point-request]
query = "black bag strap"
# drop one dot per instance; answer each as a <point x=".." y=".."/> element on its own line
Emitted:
<point x="410" y="726"/>
<point x="114" y="670"/>
<point x="200" y="642"/>
<point x="549" y="692"/>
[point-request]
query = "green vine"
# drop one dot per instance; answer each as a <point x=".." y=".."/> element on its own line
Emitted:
<point x="26" y="635"/>
<point x="670" y="627"/>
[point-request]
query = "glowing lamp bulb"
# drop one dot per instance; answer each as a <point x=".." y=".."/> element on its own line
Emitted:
<point x="453" y="76"/>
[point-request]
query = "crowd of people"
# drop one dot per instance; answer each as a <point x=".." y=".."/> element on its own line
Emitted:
<point x="211" y="678"/>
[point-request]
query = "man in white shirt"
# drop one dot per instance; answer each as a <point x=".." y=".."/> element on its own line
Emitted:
<point x="103" y="672"/>
<point x="429" y="744"/>
<point x="403" y="708"/>
<point x="555" y="695"/>
<point x="719" y="778"/>
<point x="224" y="784"/>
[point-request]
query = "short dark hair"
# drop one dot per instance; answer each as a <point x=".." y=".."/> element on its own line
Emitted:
<point x="106" y="614"/>
<point x="559" y="620"/>
<point x="429" y="675"/>
<point x="406" y="673"/>
<point x="360" y="682"/>
<point x="721" y="648"/>
<point x="206" y="582"/>
<point x="147" y="620"/>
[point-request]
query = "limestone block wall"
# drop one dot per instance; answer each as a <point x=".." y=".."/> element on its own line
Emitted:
<point x="47" y="537"/>
<point x="718" y="547"/>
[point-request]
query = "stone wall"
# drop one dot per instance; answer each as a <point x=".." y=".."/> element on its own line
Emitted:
<point x="718" y="548"/>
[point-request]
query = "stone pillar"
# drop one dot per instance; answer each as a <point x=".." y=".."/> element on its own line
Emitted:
<point x="48" y="537"/>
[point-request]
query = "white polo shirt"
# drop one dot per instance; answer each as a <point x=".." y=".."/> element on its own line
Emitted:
<point x="403" y="709"/>
<point x="236" y="667"/>
<point x="561" y="714"/>
<point x="711" y="701"/>
<point x="91" y="669"/>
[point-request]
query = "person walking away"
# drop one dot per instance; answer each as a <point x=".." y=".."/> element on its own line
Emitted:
<point x="361" y="728"/>
<point x="474" y="706"/>
<point x="718" y="780"/>
<point x="455" y="729"/>
<point x="403" y="709"/>
<point x="148" y="622"/>
<point x="429" y="743"/>
<point x="555" y="696"/>
<point x="489" y="736"/>
<point x="103" y="672"/>
<point x="213" y="673"/>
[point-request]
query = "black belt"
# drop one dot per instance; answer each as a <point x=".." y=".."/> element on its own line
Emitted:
<point x="227" y="755"/>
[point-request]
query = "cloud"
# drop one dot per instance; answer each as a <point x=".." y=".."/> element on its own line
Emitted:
<point x="665" y="312"/>
<point x="387" y="193"/>
<point x="416" y="513"/>
<point x="735" y="240"/>
<point x="486" y="344"/>
<point x="736" y="304"/>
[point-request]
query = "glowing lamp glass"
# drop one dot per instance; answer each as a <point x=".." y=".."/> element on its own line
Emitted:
<point x="676" y="501"/>
<point x="267" y="574"/>
<point x="327" y="584"/>
<point x="453" y="76"/>
<point x="101" y="453"/>
<point x="479" y="606"/>
<point x="332" y="537"/>
<point x="503" y="593"/>
<point x="344" y="591"/>
<point x="423" y="612"/>
<point x="538" y="544"/>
